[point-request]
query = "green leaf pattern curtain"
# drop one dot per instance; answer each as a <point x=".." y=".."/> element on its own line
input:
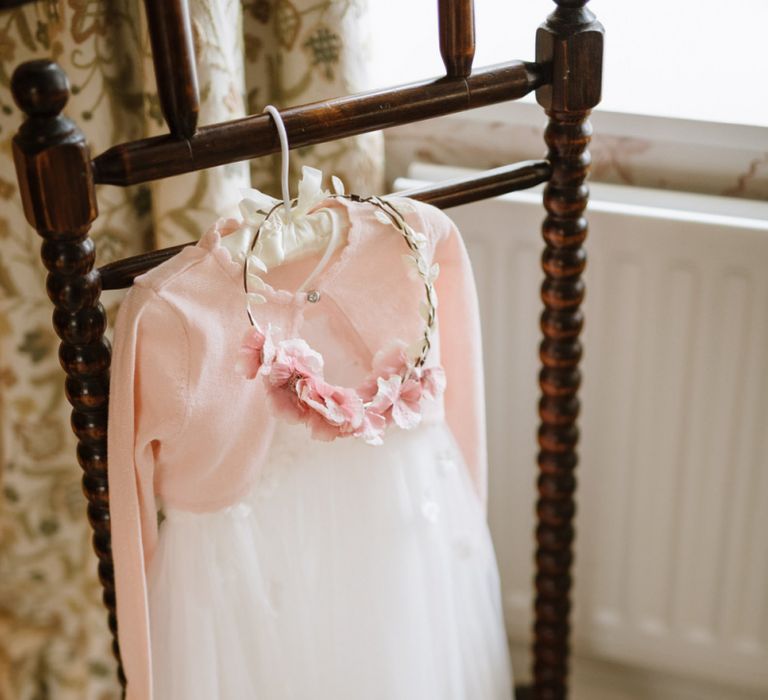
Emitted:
<point x="53" y="636"/>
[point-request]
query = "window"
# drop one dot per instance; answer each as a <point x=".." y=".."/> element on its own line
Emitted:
<point x="691" y="59"/>
<point x="685" y="104"/>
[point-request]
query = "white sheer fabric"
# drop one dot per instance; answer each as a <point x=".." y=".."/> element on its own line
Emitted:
<point x="349" y="572"/>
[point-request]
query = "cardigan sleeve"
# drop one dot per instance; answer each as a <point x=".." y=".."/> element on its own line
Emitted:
<point x="458" y="317"/>
<point x="146" y="407"/>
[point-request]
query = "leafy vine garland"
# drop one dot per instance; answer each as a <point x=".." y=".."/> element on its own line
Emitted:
<point x="391" y="393"/>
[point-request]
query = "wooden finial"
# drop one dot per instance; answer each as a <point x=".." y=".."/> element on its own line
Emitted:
<point x="50" y="152"/>
<point x="457" y="36"/>
<point x="571" y="42"/>
<point x="40" y="88"/>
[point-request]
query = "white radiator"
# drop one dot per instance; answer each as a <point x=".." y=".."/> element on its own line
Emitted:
<point x="672" y="543"/>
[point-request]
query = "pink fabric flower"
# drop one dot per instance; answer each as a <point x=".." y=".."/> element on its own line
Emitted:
<point x="400" y="399"/>
<point x="294" y="360"/>
<point x="293" y="373"/>
<point x="372" y="427"/>
<point x="339" y="406"/>
<point x="433" y="382"/>
<point x="323" y="417"/>
<point x="390" y="360"/>
<point x="256" y="349"/>
<point x="285" y="401"/>
<point x="290" y="375"/>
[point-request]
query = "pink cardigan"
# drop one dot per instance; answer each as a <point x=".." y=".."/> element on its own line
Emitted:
<point x="187" y="431"/>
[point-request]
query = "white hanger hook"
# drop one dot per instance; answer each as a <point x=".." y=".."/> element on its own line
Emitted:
<point x="284" y="151"/>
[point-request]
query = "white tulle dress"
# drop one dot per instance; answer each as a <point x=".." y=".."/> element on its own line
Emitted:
<point x="350" y="572"/>
<point x="301" y="560"/>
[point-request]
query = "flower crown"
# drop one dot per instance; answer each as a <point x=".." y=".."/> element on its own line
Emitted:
<point x="391" y="393"/>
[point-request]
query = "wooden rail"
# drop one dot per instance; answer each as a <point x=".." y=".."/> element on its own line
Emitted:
<point x="254" y="136"/>
<point x="121" y="273"/>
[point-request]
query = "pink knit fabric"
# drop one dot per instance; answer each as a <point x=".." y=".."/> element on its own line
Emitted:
<point x="187" y="431"/>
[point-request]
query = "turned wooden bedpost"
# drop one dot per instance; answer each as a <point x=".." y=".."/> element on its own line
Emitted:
<point x="56" y="183"/>
<point x="571" y="42"/>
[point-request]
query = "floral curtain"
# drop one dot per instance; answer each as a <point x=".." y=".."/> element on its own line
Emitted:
<point x="53" y="636"/>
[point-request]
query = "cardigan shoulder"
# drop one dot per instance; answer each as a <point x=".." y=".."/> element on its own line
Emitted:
<point x="426" y="218"/>
<point x="157" y="332"/>
<point x="167" y="272"/>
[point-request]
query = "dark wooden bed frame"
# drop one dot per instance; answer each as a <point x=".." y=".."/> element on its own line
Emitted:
<point x="57" y="179"/>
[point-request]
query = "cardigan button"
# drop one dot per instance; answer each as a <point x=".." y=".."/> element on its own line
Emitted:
<point x="313" y="297"/>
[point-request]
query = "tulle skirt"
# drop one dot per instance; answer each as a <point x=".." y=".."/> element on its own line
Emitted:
<point x="350" y="572"/>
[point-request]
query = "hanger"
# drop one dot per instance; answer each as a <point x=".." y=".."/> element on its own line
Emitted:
<point x="285" y="154"/>
<point x="293" y="233"/>
<point x="288" y="202"/>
